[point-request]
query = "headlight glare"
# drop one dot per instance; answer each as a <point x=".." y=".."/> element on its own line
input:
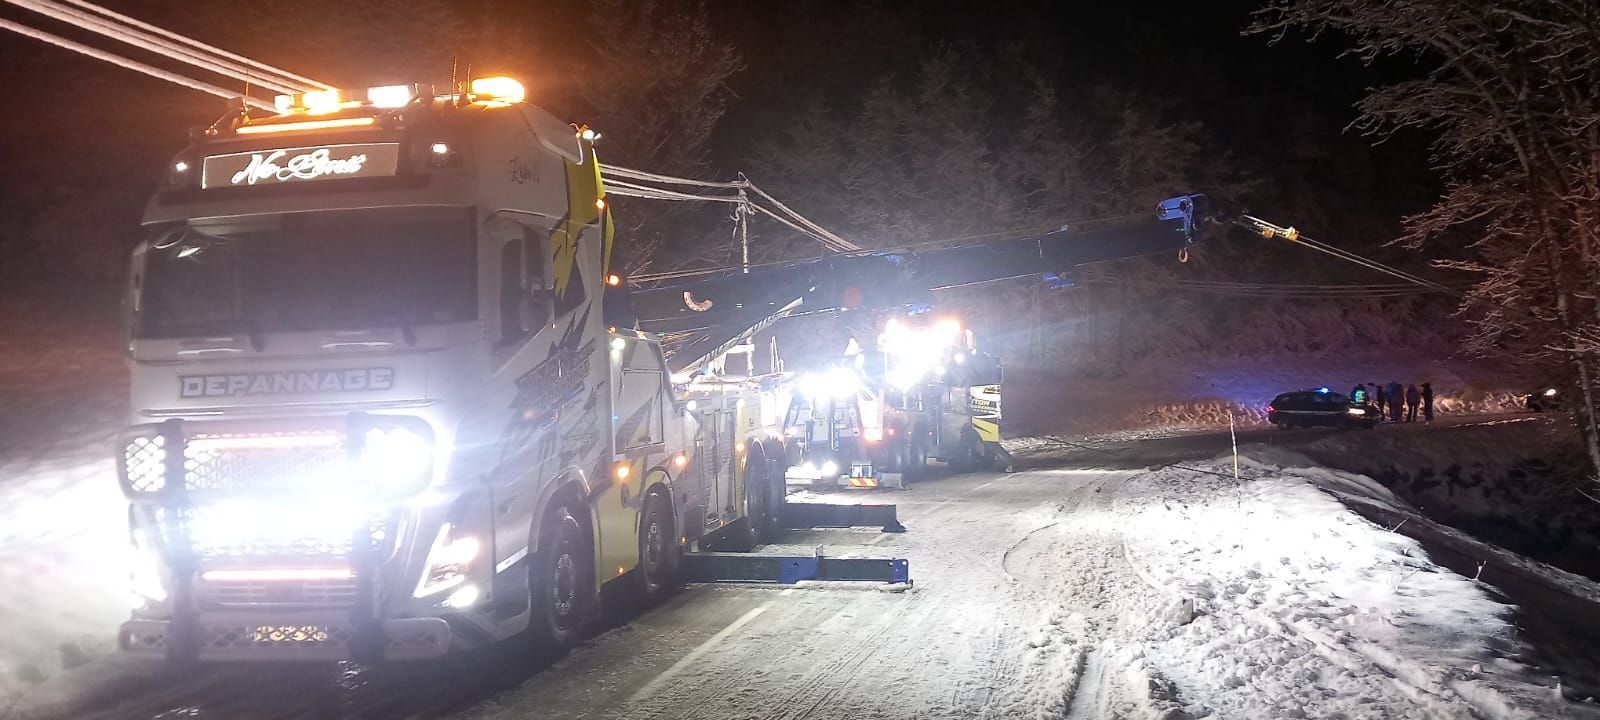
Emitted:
<point x="397" y="456"/>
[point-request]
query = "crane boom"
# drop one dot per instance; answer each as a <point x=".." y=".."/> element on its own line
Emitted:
<point x="714" y="314"/>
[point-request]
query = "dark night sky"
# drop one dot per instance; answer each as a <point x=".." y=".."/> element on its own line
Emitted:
<point x="1263" y="103"/>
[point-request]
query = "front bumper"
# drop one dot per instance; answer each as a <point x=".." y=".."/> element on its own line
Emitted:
<point x="288" y="637"/>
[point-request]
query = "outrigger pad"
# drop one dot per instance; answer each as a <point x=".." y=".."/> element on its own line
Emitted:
<point x="790" y="569"/>
<point x="801" y="516"/>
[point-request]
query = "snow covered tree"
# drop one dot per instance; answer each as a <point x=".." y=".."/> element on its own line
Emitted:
<point x="656" y="90"/>
<point x="1510" y="91"/>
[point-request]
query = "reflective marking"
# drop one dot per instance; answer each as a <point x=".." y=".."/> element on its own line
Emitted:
<point x="695" y="654"/>
<point x="508" y="562"/>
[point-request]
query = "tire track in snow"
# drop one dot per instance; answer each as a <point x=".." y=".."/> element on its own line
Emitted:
<point x="1089" y="705"/>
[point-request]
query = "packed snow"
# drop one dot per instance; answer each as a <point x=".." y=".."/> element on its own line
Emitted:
<point x="1268" y="597"/>
<point x="1168" y="593"/>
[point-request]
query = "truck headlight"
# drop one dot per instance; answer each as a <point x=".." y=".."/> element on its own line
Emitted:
<point x="449" y="560"/>
<point x="397" y="456"/>
<point x="144" y="463"/>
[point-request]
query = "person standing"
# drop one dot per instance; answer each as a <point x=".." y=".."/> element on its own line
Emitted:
<point x="1413" y="399"/>
<point x="1396" y="400"/>
<point x="1358" y="395"/>
<point x="1427" y="403"/>
<point x="1382" y="399"/>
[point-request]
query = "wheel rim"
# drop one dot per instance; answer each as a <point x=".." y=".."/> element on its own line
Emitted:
<point x="654" y="554"/>
<point x="564" y="585"/>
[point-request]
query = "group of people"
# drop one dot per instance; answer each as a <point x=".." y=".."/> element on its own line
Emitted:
<point x="1395" y="402"/>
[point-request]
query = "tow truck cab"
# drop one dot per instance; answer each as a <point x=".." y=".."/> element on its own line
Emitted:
<point x="923" y="390"/>
<point x="376" y="409"/>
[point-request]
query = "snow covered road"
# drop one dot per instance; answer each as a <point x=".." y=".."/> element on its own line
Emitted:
<point x="1062" y="592"/>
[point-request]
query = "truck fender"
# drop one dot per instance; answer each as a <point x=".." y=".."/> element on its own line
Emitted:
<point x="573" y="482"/>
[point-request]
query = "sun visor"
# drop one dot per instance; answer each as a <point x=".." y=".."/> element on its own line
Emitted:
<point x="556" y="136"/>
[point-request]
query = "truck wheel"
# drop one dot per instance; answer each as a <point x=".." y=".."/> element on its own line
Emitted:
<point x="778" y="498"/>
<point x="760" y="519"/>
<point x="916" y="460"/>
<point x="658" y="550"/>
<point x="561" y="581"/>
<point x="968" y="455"/>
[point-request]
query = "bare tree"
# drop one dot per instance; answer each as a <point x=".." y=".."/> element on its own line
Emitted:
<point x="1510" y="90"/>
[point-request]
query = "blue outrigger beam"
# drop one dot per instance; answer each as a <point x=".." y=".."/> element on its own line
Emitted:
<point x="790" y="569"/>
<point x="800" y="516"/>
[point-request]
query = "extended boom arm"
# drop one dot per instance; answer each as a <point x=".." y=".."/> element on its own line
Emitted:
<point x="717" y="313"/>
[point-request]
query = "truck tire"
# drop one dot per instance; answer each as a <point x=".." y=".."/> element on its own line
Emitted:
<point x="561" y="581"/>
<point x="969" y="454"/>
<point x="778" y="491"/>
<point x="916" y="459"/>
<point x="758" y="500"/>
<point x="659" y="552"/>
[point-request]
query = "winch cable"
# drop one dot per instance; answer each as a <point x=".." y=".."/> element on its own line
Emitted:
<point x="792" y="219"/>
<point x="1266" y="229"/>
<point x="153" y="44"/>
<point x="815" y="230"/>
<point x="299" y="82"/>
<point x="133" y="65"/>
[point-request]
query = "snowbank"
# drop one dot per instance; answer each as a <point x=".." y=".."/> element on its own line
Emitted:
<point x="1518" y="483"/>
<point x="63" y="562"/>
<point x="1270" y="598"/>
<point x="1158" y="394"/>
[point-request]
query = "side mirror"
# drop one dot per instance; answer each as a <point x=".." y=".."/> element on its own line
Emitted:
<point x="535" y="309"/>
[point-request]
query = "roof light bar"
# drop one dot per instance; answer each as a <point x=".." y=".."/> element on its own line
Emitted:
<point x="391" y="96"/>
<point x="496" y="91"/>
<point x="320" y="102"/>
<point x="306" y="125"/>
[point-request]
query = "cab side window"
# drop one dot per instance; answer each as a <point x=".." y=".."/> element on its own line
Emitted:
<point x="525" y="298"/>
<point x="641" y="404"/>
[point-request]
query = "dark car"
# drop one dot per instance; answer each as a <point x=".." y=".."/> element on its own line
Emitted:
<point x="1321" y="407"/>
<point x="1546" y="400"/>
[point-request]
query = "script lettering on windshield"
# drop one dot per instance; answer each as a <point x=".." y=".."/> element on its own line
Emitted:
<point x="297" y="165"/>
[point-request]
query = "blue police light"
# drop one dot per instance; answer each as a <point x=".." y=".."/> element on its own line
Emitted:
<point x="1323" y="390"/>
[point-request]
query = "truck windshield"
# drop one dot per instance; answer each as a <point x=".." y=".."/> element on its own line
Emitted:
<point x="311" y="271"/>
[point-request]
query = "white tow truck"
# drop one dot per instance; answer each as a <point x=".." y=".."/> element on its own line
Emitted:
<point x="378" y="408"/>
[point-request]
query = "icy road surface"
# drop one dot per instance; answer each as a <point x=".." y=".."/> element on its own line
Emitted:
<point x="1069" y="592"/>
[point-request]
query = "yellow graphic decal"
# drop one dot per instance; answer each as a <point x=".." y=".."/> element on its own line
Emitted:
<point x="987" y="431"/>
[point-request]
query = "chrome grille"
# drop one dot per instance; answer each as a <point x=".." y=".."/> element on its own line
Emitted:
<point x="299" y="593"/>
<point x="217" y="532"/>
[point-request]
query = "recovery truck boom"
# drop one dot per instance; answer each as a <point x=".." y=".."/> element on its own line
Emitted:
<point x="866" y="422"/>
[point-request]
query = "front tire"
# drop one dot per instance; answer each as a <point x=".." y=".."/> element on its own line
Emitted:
<point x="561" y="581"/>
<point x="763" y="499"/>
<point x="658" y="550"/>
<point x="916" y="459"/>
